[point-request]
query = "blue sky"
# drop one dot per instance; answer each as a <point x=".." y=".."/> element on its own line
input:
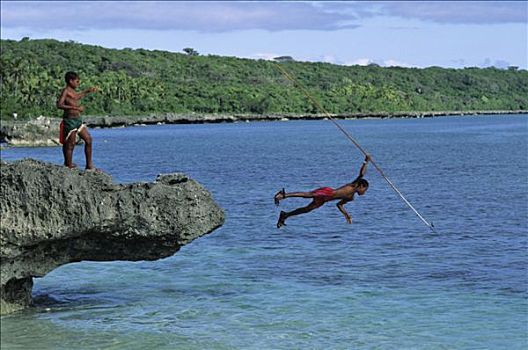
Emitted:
<point x="414" y="34"/>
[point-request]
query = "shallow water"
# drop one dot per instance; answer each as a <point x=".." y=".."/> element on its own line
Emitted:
<point x="384" y="282"/>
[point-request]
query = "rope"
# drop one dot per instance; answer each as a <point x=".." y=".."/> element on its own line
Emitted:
<point x="318" y="105"/>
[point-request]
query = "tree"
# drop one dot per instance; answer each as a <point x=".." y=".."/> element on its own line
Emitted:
<point x="283" y="58"/>
<point x="136" y="82"/>
<point x="190" y="51"/>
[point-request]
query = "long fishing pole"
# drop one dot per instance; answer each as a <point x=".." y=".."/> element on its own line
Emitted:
<point x="318" y="105"/>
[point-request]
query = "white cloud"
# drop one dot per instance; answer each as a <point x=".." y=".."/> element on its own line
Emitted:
<point x="221" y="16"/>
<point x="360" y="62"/>
<point x="328" y="59"/>
<point x="264" y="56"/>
<point x="497" y="63"/>
<point x="203" y="16"/>
<point x="454" y="12"/>
<point x="467" y="12"/>
<point x="395" y="63"/>
<point x="384" y="63"/>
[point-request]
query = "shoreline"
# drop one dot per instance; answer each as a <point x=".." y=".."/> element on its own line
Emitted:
<point x="195" y="118"/>
<point x="43" y="131"/>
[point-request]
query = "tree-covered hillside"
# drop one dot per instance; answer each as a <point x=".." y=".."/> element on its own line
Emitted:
<point x="135" y="82"/>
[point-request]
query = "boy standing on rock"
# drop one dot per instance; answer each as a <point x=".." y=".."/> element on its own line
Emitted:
<point x="72" y="124"/>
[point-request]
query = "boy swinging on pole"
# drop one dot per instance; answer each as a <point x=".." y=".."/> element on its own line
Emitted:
<point x="322" y="195"/>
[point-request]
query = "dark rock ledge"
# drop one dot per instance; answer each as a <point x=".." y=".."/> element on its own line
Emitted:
<point x="51" y="216"/>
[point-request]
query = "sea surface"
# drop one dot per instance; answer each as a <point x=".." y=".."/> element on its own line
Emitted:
<point x="384" y="282"/>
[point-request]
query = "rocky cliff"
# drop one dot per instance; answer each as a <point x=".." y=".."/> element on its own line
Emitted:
<point x="51" y="215"/>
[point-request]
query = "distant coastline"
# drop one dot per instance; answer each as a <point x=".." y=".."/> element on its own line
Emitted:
<point x="143" y="82"/>
<point x="43" y="131"/>
<point x="197" y="118"/>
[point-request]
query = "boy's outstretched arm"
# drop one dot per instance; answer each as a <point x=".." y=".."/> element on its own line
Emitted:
<point x="87" y="91"/>
<point x="340" y="206"/>
<point x="363" y="169"/>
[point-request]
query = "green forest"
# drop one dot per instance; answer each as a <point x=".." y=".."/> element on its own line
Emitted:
<point x="140" y="82"/>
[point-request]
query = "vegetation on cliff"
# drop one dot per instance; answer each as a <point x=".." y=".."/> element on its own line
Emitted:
<point x="135" y="82"/>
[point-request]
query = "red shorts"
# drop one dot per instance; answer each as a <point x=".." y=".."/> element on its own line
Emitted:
<point x="324" y="193"/>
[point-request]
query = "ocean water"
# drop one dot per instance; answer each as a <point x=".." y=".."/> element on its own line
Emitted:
<point x="384" y="282"/>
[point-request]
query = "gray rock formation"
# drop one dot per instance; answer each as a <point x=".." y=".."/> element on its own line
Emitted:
<point x="51" y="215"/>
<point x="41" y="131"/>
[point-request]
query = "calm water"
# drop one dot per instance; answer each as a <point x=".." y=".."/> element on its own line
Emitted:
<point x="384" y="282"/>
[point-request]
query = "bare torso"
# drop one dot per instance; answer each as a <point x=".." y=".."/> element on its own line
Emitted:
<point x="71" y="99"/>
<point x="345" y="192"/>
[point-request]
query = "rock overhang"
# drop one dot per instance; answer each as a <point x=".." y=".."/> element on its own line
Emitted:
<point x="52" y="215"/>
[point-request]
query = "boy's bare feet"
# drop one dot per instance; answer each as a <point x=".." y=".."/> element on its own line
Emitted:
<point x="279" y="196"/>
<point x="94" y="169"/>
<point x="282" y="218"/>
<point x="71" y="166"/>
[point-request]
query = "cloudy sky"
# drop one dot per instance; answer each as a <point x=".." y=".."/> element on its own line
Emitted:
<point x="416" y="34"/>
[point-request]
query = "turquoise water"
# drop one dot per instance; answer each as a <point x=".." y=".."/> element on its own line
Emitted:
<point x="384" y="282"/>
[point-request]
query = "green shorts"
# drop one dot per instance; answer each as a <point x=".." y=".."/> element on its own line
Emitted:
<point x="72" y="125"/>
